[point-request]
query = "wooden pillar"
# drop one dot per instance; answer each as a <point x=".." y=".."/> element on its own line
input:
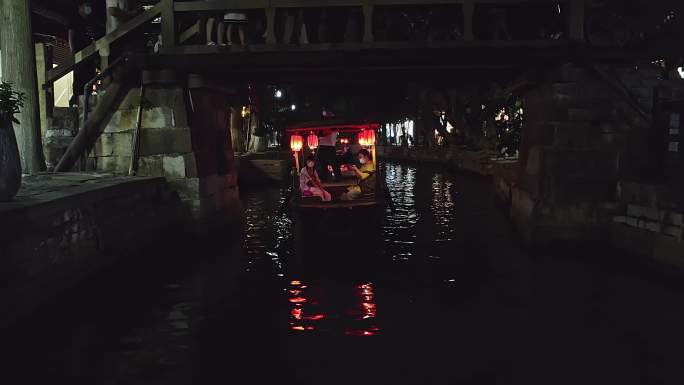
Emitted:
<point x="270" y="25"/>
<point x="104" y="58"/>
<point x="236" y="135"/>
<point x="19" y="68"/>
<point x="168" y="29"/>
<point x="45" y="96"/>
<point x="368" y="23"/>
<point x="576" y="20"/>
<point x="468" y="12"/>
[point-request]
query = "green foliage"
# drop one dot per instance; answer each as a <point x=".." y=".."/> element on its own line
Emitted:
<point x="11" y="102"/>
<point x="510" y="129"/>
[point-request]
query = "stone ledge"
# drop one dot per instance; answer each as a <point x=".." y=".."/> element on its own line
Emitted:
<point x="62" y="227"/>
<point x="661" y="247"/>
<point x="651" y="195"/>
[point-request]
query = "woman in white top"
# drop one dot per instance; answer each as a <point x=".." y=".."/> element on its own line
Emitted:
<point x="310" y="184"/>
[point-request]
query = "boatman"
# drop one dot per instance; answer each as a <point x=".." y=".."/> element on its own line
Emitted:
<point x="327" y="156"/>
<point x="365" y="174"/>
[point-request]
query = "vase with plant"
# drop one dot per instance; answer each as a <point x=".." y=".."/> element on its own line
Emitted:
<point x="11" y="103"/>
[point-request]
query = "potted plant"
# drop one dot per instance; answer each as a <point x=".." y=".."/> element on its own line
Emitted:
<point x="10" y="164"/>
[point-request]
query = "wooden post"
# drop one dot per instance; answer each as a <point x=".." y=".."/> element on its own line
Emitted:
<point x="19" y="67"/>
<point x="89" y="132"/>
<point x="270" y="25"/>
<point x="576" y="20"/>
<point x="104" y="58"/>
<point x="45" y="97"/>
<point x="368" y="23"/>
<point x="468" y="11"/>
<point x="135" y="141"/>
<point x="296" y="156"/>
<point x="236" y="129"/>
<point x="168" y="28"/>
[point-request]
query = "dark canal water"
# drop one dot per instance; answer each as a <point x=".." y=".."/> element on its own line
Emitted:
<point x="440" y="293"/>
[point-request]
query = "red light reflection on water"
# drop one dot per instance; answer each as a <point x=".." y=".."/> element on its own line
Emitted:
<point x="299" y="320"/>
<point x="306" y="313"/>
<point x="297" y="299"/>
<point x="302" y="328"/>
<point x="315" y="317"/>
<point x="297" y="313"/>
<point x="362" y="332"/>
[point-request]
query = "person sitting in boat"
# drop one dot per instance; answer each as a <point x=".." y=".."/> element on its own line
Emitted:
<point x="365" y="174"/>
<point x="310" y="183"/>
<point x="345" y="156"/>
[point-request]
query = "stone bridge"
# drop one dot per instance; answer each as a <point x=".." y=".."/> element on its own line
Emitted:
<point x="582" y="121"/>
<point x="470" y="45"/>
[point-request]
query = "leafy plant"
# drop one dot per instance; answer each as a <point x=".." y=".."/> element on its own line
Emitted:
<point x="11" y="102"/>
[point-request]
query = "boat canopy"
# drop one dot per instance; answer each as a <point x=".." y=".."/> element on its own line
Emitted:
<point x="326" y="126"/>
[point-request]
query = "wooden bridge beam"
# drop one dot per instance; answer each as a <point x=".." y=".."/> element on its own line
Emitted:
<point x="468" y="12"/>
<point x="576" y="20"/>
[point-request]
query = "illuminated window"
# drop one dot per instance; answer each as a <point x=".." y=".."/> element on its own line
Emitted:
<point x="63" y="89"/>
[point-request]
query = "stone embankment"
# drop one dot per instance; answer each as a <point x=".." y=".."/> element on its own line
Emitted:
<point x="64" y="227"/>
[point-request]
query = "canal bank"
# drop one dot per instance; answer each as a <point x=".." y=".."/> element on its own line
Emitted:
<point x="638" y="218"/>
<point x="503" y="171"/>
<point x="459" y="158"/>
<point x="62" y="228"/>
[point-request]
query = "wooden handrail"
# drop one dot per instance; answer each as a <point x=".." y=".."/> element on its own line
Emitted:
<point x="104" y="42"/>
<point x="575" y="19"/>
<point x="218" y="5"/>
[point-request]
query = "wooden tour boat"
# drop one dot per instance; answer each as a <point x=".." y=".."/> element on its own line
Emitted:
<point x="357" y="135"/>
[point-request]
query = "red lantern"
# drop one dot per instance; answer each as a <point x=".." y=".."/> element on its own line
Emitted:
<point x="370" y="137"/>
<point x="312" y="141"/>
<point x="362" y="138"/>
<point x="296" y="142"/>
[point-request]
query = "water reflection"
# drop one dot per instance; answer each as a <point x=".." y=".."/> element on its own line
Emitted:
<point x="320" y="309"/>
<point x="329" y="273"/>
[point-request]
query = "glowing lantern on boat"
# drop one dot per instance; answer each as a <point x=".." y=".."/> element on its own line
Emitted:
<point x="312" y="141"/>
<point x="296" y="144"/>
<point x="370" y="137"/>
<point x="367" y="139"/>
<point x="362" y="138"/>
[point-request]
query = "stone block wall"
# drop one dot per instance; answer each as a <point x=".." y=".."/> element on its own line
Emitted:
<point x="188" y="144"/>
<point x="63" y="227"/>
<point x="505" y="176"/>
<point x="651" y="221"/>
<point x="60" y="134"/>
<point x="575" y="148"/>
<point x="164" y="130"/>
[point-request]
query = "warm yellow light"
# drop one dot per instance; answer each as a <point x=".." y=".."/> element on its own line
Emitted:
<point x="296" y="144"/>
<point x="312" y="141"/>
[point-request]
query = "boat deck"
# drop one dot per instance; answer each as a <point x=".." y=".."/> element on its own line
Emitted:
<point x="315" y="203"/>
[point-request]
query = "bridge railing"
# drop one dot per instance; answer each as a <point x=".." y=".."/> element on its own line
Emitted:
<point x="574" y="27"/>
<point x="168" y="10"/>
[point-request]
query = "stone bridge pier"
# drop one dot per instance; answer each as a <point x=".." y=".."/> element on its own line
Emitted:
<point x="583" y="136"/>
<point x="184" y="137"/>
